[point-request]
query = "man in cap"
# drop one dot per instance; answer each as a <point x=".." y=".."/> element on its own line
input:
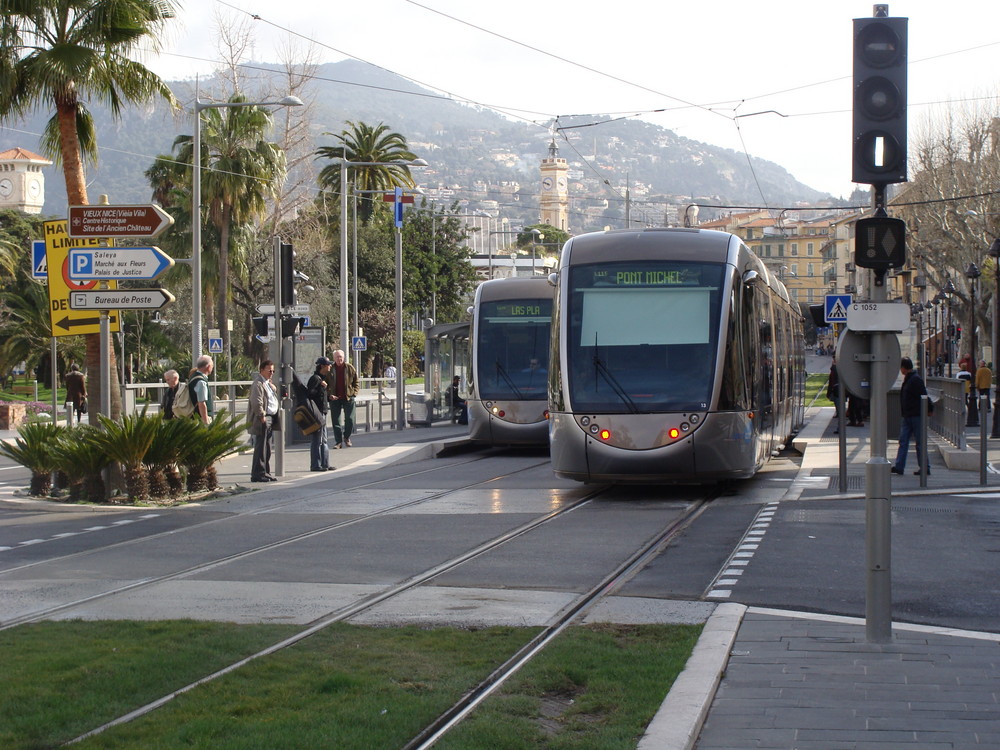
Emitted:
<point x="319" y="448"/>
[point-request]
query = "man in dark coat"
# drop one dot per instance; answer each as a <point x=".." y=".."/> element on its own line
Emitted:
<point x="316" y="391"/>
<point x="76" y="389"/>
<point x="909" y="402"/>
<point x="172" y="378"/>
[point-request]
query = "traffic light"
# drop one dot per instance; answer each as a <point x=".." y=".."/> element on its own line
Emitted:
<point x="879" y="154"/>
<point x="260" y="327"/>
<point x="291" y="325"/>
<point x="287" y="280"/>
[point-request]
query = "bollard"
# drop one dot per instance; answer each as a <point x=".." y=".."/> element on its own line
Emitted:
<point x="983" y="443"/>
<point x="922" y="437"/>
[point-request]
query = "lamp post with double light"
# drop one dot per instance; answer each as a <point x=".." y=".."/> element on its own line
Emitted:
<point x="199" y="105"/>
<point x="994" y="252"/>
<point x="344" y="165"/>
<point x="972" y="273"/>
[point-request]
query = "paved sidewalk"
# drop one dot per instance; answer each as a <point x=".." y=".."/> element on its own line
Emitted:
<point x="765" y="678"/>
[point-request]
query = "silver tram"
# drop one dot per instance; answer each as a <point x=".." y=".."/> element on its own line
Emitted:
<point x="677" y="357"/>
<point x="507" y="392"/>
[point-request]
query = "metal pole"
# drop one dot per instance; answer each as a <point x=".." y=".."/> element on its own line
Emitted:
<point x="842" y="431"/>
<point x="55" y="383"/>
<point x="996" y="349"/>
<point x="354" y="272"/>
<point x="878" y="492"/>
<point x="400" y="377"/>
<point x="344" y="329"/>
<point x="279" y="351"/>
<point x="922" y="437"/>
<point x="982" y="402"/>
<point x="196" y="234"/>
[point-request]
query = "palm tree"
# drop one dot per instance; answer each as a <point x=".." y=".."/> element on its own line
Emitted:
<point x="361" y="142"/>
<point x="59" y="53"/>
<point x="242" y="170"/>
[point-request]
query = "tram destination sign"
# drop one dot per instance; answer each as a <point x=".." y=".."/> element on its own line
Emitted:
<point x="118" y="221"/>
<point x="120" y="299"/>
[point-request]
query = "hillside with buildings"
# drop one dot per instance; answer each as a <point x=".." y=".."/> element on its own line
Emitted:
<point x="486" y="162"/>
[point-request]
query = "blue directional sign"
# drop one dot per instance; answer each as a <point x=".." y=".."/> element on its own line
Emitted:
<point x="215" y="346"/>
<point x="398" y="206"/>
<point x="359" y="344"/>
<point x="835" y="309"/>
<point x="121" y="263"/>
<point x="39" y="269"/>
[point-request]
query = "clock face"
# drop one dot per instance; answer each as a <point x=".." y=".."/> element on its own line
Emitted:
<point x="562" y="183"/>
<point x="34" y="188"/>
<point x="547" y="183"/>
<point x="6" y="187"/>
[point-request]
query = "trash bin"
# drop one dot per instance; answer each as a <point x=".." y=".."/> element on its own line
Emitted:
<point x="419" y="414"/>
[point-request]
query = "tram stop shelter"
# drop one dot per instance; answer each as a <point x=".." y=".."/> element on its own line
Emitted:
<point x="446" y="354"/>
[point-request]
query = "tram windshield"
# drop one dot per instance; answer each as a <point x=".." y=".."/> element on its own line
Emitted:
<point x="512" y="355"/>
<point x="643" y="335"/>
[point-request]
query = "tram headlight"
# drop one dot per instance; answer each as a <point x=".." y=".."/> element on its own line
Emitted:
<point x="495" y="410"/>
<point x="694" y="418"/>
<point x="685" y="427"/>
<point x="585" y="421"/>
<point x="594" y="429"/>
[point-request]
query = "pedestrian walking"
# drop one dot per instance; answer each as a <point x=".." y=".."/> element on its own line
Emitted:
<point x="909" y="406"/>
<point x="76" y="390"/>
<point x="984" y="381"/>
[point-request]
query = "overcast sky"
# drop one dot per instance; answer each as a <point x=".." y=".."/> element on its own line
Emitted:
<point x="701" y="62"/>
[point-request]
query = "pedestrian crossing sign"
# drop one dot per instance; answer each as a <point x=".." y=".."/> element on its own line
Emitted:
<point x="835" y="309"/>
<point x="359" y="343"/>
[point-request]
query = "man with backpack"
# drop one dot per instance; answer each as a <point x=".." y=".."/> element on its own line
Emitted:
<point x="195" y="398"/>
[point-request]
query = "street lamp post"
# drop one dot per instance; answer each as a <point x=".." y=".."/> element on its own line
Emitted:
<point x="972" y="273"/>
<point x="994" y="252"/>
<point x="949" y="289"/>
<point x="199" y="105"/>
<point x="344" y="164"/>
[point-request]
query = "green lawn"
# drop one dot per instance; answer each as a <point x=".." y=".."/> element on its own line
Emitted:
<point x="347" y="687"/>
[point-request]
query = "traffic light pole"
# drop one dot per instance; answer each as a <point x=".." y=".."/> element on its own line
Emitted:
<point x="878" y="493"/>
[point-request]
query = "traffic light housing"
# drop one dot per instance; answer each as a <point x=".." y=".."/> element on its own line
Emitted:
<point x="287" y="280"/>
<point x="879" y="152"/>
<point x="260" y="326"/>
<point x="291" y="325"/>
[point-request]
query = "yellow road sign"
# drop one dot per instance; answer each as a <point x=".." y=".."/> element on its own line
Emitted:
<point x="65" y="321"/>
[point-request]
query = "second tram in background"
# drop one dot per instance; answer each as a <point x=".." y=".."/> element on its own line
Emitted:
<point x="507" y="392"/>
<point x="680" y="359"/>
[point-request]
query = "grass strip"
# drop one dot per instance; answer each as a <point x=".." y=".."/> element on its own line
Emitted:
<point x="816" y="390"/>
<point x="594" y="688"/>
<point x="348" y="687"/>
<point x="61" y="679"/>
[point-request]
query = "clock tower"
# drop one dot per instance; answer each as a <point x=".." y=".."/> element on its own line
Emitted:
<point x="22" y="181"/>
<point x="555" y="190"/>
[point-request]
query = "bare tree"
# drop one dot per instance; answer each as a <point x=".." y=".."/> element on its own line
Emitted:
<point x="952" y="206"/>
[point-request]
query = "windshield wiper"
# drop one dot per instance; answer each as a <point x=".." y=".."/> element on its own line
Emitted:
<point x="615" y="385"/>
<point x="502" y="372"/>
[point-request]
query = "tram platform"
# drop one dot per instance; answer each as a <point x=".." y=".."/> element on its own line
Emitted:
<point x="785" y="679"/>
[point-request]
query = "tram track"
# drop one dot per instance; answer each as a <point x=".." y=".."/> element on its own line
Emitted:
<point x="608" y="584"/>
<point x="236" y="556"/>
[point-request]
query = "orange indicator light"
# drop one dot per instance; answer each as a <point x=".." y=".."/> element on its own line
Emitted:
<point x="674" y="433"/>
<point x="605" y="434"/>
